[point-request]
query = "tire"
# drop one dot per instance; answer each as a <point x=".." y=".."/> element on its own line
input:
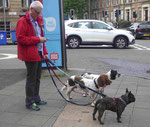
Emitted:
<point x="73" y="42"/>
<point x="120" y="42"/>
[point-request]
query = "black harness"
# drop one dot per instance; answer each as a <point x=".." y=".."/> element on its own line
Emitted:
<point x="96" y="85"/>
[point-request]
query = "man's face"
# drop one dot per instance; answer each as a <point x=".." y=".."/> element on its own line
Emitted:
<point x="36" y="12"/>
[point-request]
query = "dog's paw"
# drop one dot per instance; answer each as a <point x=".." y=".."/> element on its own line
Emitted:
<point x="92" y="104"/>
<point x="119" y="121"/>
<point x="101" y="123"/>
<point x="70" y="97"/>
<point x="94" y="118"/>
<point x="84" y="95"/>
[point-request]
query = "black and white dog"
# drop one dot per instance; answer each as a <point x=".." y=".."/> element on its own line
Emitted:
<point x="112" y="75"/>
<point x="92" y="81"/>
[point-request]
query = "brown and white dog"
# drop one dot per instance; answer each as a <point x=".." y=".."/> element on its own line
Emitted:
<point x="95" y="82"/>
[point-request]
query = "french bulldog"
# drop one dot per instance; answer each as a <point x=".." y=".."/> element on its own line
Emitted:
<point x="113" y="104"/>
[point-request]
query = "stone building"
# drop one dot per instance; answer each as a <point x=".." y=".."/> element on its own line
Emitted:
<point x="130" y="10"/>
<point x="13" y="8"/>
<point x="98" y="9"/>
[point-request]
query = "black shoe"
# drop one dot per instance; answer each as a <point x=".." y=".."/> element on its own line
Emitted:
<point x="41" y="103"/>
<point x="33" y="107"/>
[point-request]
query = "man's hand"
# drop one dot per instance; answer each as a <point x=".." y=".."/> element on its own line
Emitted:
<point x="43" y="39"/>
<point x="45" y="56"/>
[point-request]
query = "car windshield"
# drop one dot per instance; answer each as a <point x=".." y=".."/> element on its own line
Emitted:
<point x="134" y="25"/>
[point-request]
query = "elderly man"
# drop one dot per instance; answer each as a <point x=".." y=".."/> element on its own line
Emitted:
<point x="31" y="50"/>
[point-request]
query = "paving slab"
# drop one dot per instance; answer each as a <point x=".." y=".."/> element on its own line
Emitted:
<point x="76" y="116"/>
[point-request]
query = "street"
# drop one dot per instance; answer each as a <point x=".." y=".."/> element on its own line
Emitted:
<point x="131" y="61"/>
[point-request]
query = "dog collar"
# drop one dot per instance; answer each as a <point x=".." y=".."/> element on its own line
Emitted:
<point x="123" y="101"/>
<point x="95" y="83"/>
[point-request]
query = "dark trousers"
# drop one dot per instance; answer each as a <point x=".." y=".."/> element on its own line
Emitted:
<point x="34" y="70"/>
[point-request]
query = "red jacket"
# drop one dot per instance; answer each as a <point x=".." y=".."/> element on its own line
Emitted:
<point x="27" y="40"/>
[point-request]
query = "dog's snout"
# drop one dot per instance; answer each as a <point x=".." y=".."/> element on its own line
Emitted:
<point x="119" y="75"/>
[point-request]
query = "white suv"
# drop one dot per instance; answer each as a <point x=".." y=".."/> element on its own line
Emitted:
<point x="94" y="32"/>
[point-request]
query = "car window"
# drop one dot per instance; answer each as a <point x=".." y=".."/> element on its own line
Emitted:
<point x="73" y="25"/>
<point x="97" y="25"/>
<point x="148" y="26"/>
<point x="82" y="25"/>
<point x="142" y="26"/>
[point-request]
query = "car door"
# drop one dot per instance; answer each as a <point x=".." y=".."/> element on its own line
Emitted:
<point x="101" y="33"/>
<point x="84" y="31"/>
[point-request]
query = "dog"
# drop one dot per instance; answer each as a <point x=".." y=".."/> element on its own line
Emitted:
<point x="113" y="74"/>
<point x="80" y="82"/>
<point x="113" y="104"/>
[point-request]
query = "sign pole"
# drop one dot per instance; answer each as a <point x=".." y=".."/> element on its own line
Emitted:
<point x="64" y="56"/>
<point x="4" y="15"/>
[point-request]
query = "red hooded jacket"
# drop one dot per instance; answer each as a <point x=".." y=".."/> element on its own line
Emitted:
<point x="27" y="40"/>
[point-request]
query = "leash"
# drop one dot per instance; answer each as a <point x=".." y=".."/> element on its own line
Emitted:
<point x="49" y="61"/>
<point x="62" y="82"/>
<point x="48" y="66"/>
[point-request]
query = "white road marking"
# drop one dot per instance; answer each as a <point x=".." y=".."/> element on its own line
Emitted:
<point x="77" y="69"/>
<point x="8" y="56"/>
<point x="141" y="46"/>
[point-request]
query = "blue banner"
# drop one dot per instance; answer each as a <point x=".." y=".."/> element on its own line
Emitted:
<point x="52" y="30"/>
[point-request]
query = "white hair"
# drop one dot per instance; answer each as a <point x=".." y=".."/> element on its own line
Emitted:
<point x="36" y="4"/>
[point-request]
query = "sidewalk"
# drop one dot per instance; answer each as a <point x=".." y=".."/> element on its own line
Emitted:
<point x="58" y="113"/>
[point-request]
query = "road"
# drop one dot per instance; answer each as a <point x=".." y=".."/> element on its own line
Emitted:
<point x="131" y="61"/>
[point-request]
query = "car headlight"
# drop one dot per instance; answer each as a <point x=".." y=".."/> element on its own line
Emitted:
<point x="130" y="32"/>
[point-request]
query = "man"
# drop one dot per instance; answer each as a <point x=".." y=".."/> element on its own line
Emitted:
<point x="31" y="50"/>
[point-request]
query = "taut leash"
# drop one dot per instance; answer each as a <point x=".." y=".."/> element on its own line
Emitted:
<point x="49" y="61"/>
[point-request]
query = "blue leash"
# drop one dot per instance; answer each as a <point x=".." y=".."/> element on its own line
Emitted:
<point x="48" y="67"/>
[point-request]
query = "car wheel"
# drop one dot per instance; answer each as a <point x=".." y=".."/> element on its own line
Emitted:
<point x="120" y="42"/>
<point x="73" y="42"/>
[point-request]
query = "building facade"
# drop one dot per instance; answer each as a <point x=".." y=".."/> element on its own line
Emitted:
<point x="130" y="10"/>
<point x="10" y="14"/>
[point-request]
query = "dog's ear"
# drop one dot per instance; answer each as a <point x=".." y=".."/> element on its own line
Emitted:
<point x="108" y="82"/>
<point x="127" y="90"/>
<point x="103" y="80"/>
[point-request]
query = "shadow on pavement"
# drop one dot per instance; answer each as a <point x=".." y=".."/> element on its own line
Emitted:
<point x="11" y="76"/>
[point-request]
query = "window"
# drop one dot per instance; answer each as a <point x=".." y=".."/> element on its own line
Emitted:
<point x="7" y="28"/>
<point x="103" y="4"/>
<point x="107" y="3"/>
<point x="122" y="2"/>
<point x="25" y="3"/>
<point x="117" y="2"/>
<point x="97" y="25"/>
<point x="112" y="2"/>
<point x="139" y="14"/>
<point x="6" y="3"/>
<point x="82" y="25"/>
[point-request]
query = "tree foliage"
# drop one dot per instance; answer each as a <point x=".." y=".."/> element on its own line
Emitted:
<point x="79" y="6"/>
